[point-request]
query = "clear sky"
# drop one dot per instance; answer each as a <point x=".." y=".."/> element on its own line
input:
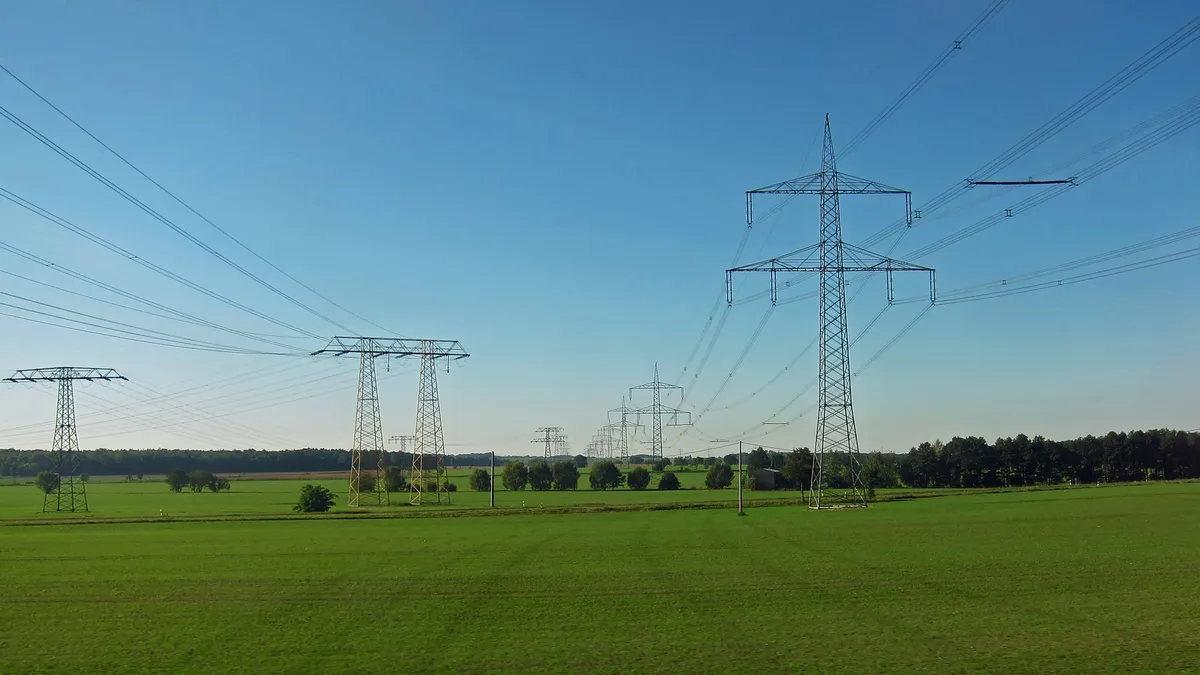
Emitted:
<point x="560" y="186"/>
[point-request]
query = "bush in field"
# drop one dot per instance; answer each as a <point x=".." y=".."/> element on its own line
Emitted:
<point x="481" y="480"/>
<point x="606" y="476"/>
<point x="47" y="481"/>
<point x="566" y="475"/>
<point x="720" y="475"/>
<point x="177" y="480"/>
<point x="449" y="485"/>
<point x="198" y="480"/>
<point x="219" y="484"/>
<point x="662" y="464"/>
<point x="669" y="481"/>
<point x="639" y="478"/>
<point x="394" y="479"/>
<point x="314" y="499"/>
<point x="540" y="476"/>
<point x="515" y="476"/>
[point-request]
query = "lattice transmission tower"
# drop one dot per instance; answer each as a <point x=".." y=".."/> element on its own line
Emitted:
<point x="70" y="493"/>
<point x="554" y="440"/>
<point x="626" y="422"/>
<point x="368" y="430"/>
<point x="657" y="411"/>
<point x="831" y="258"/>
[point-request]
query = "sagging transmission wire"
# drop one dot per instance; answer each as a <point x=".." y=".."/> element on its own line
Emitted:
<point x="83" y="166"/>
<point x="1138" y="68"/>
<point x="180" y="201"/>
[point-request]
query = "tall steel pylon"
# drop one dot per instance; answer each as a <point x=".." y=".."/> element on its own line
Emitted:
<point x="837" y="435"/>
<point x="554" y="440"/>
<point x="368" y="431"/>
<point x="626" y="421"/>
<point x="69" y="493"/>
<point x="657" y="410"/>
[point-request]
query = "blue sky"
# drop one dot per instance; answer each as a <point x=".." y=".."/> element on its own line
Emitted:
<point x="560" y="187"/>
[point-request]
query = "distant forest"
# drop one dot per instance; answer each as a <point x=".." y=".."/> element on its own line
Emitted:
<point x="960" y="462"/>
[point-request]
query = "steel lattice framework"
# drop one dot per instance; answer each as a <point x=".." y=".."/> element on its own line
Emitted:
<point x="621" y="428"/>
<point x="70" y="493"/>
<point x="555" y="441"/>
<point x="368" y="430"/>
<point x="837" y="435"/>
<point x="657" y="411"/>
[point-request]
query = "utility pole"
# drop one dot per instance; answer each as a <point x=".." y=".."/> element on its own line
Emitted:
<point x="555" y="441"/>
<point x="741" y="481"/>
<point x="70" y="493"/>
<point x="368" y="430"/>
<point x="657" y="411"/>
<point x="832" y="258"/>
<point x="492" y="483"/>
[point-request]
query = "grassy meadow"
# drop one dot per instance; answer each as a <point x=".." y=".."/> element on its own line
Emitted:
<point x="1089" y="580"/>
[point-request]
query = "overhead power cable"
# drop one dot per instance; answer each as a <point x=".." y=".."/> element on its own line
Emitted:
<point x="180" y="201"/>
<point x="101" y="241"/>
<point x="27" y="128"/>
<point x="925" y="75"/>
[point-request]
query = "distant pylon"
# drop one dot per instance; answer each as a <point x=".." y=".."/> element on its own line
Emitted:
<point x="368" y="431"/>
<point x="836" y="435"/>
<point x="657" y="410"/>
<point x="554" y="440"/>
<point x="69" y="493"/>
<point x="626" y="421"/>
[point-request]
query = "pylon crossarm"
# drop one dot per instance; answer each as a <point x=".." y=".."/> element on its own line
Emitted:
<point x="377" y="346"/>
<point x="68" y="373"/>
<point x="811" y="185"/>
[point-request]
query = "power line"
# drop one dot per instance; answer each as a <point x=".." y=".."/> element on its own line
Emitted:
<point x="925" y="75"/>
<point x="24" y="126"/>
<point x="175" y="197"/>
<point x="101" y="241"/>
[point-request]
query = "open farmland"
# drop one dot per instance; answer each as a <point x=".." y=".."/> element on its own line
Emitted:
<point x="1086" y="580"/>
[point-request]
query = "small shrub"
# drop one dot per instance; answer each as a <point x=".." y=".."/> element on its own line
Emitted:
<point x="449" y="485"/>
<point x="394" y="479"/>
<point x="314" y="499"/>
<point x="669" y="481"/>
<point x="177" y="480"/>
<point x="719" y="476"/>
<point x="639" y="478"/>
<point x="540" y="476"/>
<point x="47" y="481"/>
<point x="481" y="480"/>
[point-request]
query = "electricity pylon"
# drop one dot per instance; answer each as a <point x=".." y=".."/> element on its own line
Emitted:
<point x="621" y="430"/>
<point x="70" y="493"/>
<point x="832" y="258"/>
<point x="555" y="441"/>
<point x="368" y="431"/>
<point x="656" y="410"/>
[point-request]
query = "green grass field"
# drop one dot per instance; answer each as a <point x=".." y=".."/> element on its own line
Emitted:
<point x="1091" y="580"/>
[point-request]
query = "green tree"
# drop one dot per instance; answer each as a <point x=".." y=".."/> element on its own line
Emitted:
<point x="719" y="476"/>
<point x="662" y="464"/>
<point x="639" y="478"/>
<point x="605" y="475"/>
<point x="669" y="481"/>
<point x="540" y="476"/>
<point x="314" y="499"/>
<point x="199" y="479"/>
<point x="515" y="476"/>
<point x="566" y="475"/>
<point x="797" y="468"/>
<point x="177" y="479"/>
<point x="481" y="480"/>
<point x="757" y="459"/>
<point x="394" y="480"/>
<point x="47" y="481"/>
<point x="218" y="484"/>
<point x="580" y="462"/>
<point x="84" y="478"/>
